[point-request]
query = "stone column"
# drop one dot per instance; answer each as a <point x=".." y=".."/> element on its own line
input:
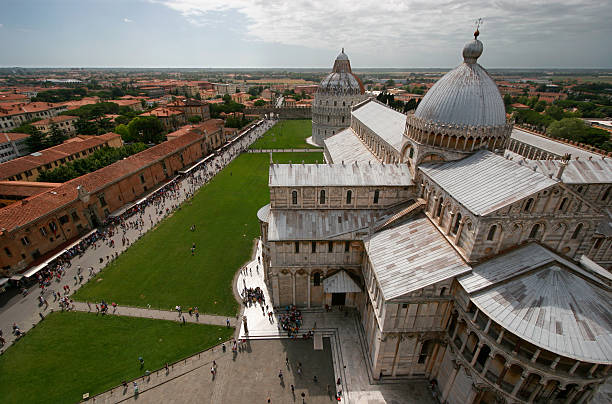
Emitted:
<point x="518" y="385"/>
<point x="500" y="378"/>
<point x="571" y="395"/>
<point x="450" y="222"/>
<point x="415" y="355"/>
<point x="293" y="288"/>
<point x="309" y="286"/>
<point x="586" y="396"/>
<point x="476" y="353"/>
<point x="459" y="230"/>
<point x="535" y="392"/>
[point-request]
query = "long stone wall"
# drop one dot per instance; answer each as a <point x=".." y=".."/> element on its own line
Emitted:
<point x="282" y="112"/>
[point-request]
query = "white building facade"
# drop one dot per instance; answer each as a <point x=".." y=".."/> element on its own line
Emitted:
<point x="471" y="267"/>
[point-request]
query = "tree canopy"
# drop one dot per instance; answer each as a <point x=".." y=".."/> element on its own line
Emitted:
<point x="145" y="129"/>
<point x="577" y="130"/>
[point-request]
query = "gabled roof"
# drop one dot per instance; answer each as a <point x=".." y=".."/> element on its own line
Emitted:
<point x="546" y="300"/>
<point x="346" y="146"/>
<point x="340" y="282"/>
<point x="355" y="174"/>
<point x="485" y="182"/>
<point x="581" y="171"/>
<point x="412" y="256"/>
<point x="387" y="123"/>
<point x="551" y="145"/>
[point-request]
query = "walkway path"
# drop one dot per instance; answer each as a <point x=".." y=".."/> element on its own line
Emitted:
<point x="159" y="314"/>
<point x="284" y="150"/>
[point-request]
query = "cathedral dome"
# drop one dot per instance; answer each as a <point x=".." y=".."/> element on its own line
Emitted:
<point x="341" y="79"/>
<point x="465" y="96"/>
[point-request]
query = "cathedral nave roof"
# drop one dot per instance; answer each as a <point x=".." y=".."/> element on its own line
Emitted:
<point x="341" y="175"/>
<point x="387" y="123"/>
<point x="551" y="145"/>
<point x="346" y="146"/>
<point x="485" y="182"/>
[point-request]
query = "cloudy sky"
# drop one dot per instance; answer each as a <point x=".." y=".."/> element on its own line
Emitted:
<point x="303" y="33"/>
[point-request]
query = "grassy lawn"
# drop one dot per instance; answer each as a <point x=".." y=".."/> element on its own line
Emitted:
<point x="159" y="269"/>
<point x="290" y="134"/>
<point x="69" y="354"/>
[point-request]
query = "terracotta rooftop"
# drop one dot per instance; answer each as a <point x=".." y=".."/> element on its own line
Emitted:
<point x="55" y="119"/>
<point x="8" y="136"/>
<point x="25" y="188"/>
<point x="46" y="156"/>
<point x="30" y="209"/>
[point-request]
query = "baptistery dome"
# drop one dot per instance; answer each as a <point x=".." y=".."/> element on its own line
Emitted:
<point x="337" y="93"/>
<point x="463" y="112"/>
<point x="341" y="79"/>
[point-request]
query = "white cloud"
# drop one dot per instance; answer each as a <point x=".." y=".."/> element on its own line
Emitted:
<point x="386" y="28"/>
<point x="127" y="20"/>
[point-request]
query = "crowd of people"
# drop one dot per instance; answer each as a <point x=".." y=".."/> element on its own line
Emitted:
<point x="291" y="321"/>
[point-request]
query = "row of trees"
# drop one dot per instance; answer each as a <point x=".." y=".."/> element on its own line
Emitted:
<point x="390" y="100"/>
<point x="100" y="158"/>
<point x="229" y="106"/>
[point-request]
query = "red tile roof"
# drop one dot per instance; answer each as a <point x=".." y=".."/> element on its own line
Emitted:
<point x="25" y="188"/>
<point x="8" y="136"/>
<point x="30" y="209"/>
<point x="55" y="119"/>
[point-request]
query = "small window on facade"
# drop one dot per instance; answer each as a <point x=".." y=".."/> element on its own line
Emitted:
<point x="297" y="247"/>
<point x="25" y="240"/>
<point x="376" y="195"/>
<point x="424" y="352"/>
<point x="335" y="103"/>
<point x="317" y="279"/>
<point x="43" y="231"/>
<point x="344" y="103"/>
<point x="330" y="246"/>
<point x="342" y="119"/>
<point x="579" y="190"/>
<point x="64" y="219"/>
<point x="404" y="305"/>
<point x="598" y="243"/>
<point x="294" y="197"/>
<point x="349" y="196"/>
<point x="457" y="223"/>
<point x="528" y="205"/>
<point x="102" y="200"/>
<point x="347" y="246"/>
<point x="411" y="154"/>
<point x="442" y="291"/>
<point x="8" y="252"/>
<point x="576" y="232"/>
<point x="75" y="216"/>
<point x="322" y="197"/>
<point x="606" y="194"/>
<point x="563" y="204"/>
<point x="53" y="226"/>
<point x="492" y="231"/>
<point x="313" y="247"/>
<point x="142" y="179"/>
<point x="534" y="231"/>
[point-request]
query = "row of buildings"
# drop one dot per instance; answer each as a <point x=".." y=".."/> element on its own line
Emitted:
<point x="477" y="255"/>
<point x="39" y="218"/>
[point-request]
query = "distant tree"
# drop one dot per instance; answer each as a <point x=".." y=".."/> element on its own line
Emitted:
<point x="227" y="98"/>
<point x="146" y="129"/>
<point x="36" y="140"/>
<point x="195" y="119"/>
<point x="86" y="127"/>
<point x="123" y="130"/>
<point x="259" y="103"/>
<point x="555" y="112"/>
<point x="56" y="136"/>
<point x="197" y="96"/>
<point x="390" y="83"/>
<point x="508" y="101"/>
<point x="117" y="92"/>
<point x="577" y="130"/>
<point x="539" y="106"/>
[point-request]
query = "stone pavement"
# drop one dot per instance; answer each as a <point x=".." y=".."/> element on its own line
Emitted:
<point x="26" y="312"/>
<point x="158" y="314"/>
<point x="249" y="377"/>
<point x="348" y="347"/>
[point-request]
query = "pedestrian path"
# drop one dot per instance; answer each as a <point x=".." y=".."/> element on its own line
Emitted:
<point x="284" y="150"/>
<point x="159" y="314"/>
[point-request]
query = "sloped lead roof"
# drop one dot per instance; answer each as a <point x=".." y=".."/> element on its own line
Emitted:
<point x="386" y="122"/>
<point x="354" y="174"/>
<point x="346" y="146"/>
<point x="412" y="256"/>
<point x="340" y="282"/>
<point x="485" y="182"/>
<point x="547" y="301"/>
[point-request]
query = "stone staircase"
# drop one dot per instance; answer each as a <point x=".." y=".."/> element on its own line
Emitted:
<point x="389" y="221"/>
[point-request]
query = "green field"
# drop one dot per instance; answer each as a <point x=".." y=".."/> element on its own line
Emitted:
<point x="159" y="269"/>
<point x="286" y="135"/>
<point x="69" y="354"/>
